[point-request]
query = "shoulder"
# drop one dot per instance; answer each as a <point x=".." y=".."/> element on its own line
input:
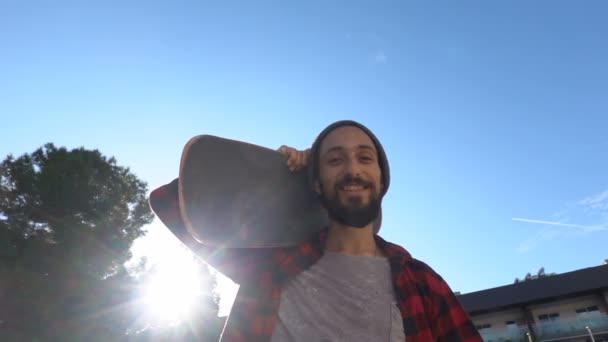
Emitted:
<point x="418" y="272"/>
<point x="427" y="280"/>
<point x="419" y="283"/>
<point x="447" y="318"/>
<point x="423" y="271"/>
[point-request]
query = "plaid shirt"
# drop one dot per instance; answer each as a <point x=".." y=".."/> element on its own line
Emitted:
<point x="429" y="308"/>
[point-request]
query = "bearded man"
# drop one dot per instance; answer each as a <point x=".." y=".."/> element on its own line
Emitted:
<point x="346" y="283"/>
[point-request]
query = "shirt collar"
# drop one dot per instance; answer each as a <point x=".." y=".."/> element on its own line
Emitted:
<point x="395" y="253"/>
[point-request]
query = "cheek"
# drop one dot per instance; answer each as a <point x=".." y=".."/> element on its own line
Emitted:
<point x="376" y="180"/>
<point x="327" y="187"/>
<point x="327" y="184"/>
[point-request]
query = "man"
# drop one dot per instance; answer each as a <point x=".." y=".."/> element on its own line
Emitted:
<point x="346" y="283"/>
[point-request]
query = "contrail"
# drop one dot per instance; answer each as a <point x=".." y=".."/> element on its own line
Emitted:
<point x="554" y="223"/>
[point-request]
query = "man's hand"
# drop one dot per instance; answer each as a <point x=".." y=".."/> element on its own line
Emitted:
<point x="296" y="160"/>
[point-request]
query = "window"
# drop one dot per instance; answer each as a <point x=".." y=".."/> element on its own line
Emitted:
<point x="592" y="308"/>
<point x="548" y="317"/>
<point x="480" y="327"/>
<point x="511" y="325"/>
<point x="515" y="324"/>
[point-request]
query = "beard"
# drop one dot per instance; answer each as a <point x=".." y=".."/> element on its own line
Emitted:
<point x="353" y="213"/>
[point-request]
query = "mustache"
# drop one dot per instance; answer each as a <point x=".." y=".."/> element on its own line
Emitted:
<point x="350" y="180"/>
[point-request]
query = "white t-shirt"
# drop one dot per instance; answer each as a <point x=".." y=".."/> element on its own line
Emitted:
<point x="340" y="298"/>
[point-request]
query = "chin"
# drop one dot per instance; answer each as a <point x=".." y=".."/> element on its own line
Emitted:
<point x="355" y="204"/>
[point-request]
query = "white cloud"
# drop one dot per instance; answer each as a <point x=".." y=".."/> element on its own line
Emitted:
<point x="550" y="223"/>
<point x="596" y="202"/>
<point x="585" y="217"/>
<point x="380" y="57"/>
<point x="580" y="228"/>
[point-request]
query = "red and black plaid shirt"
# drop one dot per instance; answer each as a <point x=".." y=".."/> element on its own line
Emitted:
<point x="430" y="310"/>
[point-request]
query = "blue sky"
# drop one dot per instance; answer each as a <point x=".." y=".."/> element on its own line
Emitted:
<point x="488" y="110"/>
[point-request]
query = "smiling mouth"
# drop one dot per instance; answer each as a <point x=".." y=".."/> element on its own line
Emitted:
<point x="353" y="188"/>
<point x="353" y="185"/>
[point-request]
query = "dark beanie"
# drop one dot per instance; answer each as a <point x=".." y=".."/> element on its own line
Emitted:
<point x="316" y="146"/>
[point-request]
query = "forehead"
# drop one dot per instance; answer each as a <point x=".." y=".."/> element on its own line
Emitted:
<point x="346" y="137"/>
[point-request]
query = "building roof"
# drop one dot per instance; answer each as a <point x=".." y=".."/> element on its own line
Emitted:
<point x="576" y="283"/>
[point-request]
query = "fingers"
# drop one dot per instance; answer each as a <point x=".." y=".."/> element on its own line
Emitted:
<point x="306" y="154"/>
<point x="301" y="159"/>
<point x="291" y="154"/>
<point x="284" y="150"/>
<point x="296" y="160"/>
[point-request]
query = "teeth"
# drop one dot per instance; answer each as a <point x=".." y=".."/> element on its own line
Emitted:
<point x="353" y="187"/>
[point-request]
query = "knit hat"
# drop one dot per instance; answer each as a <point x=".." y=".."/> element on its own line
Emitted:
<point x="316" y="146"/>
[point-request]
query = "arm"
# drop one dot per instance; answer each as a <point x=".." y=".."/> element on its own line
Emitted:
<point x="240" y="265"/>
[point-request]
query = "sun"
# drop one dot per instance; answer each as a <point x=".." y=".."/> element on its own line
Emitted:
<point x="174" y="290"/>
<point x="176" y="285"/>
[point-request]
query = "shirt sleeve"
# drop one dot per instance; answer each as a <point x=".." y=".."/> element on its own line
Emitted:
<point x="241" y="265"/>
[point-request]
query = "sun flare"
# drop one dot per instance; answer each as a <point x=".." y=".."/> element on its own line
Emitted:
<point x="176" y="286"/>
<point x="175" y="289"/>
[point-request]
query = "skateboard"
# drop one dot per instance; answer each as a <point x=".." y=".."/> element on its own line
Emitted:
<point x="235" y="194"/>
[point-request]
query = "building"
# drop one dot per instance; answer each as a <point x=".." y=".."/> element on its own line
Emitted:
<point x="571" y="306"/>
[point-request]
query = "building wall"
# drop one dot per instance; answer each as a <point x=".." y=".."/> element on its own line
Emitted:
<point x="498" y="319"/>
<point x="567" y="308"/>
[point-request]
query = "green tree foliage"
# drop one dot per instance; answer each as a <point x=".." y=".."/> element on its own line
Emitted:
<point x="67" y="221"/>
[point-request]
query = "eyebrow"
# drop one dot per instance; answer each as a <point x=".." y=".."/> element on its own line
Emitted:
<point x="361" y="147"/>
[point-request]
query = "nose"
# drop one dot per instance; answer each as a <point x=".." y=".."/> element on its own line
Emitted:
<point x="352" y="167"/>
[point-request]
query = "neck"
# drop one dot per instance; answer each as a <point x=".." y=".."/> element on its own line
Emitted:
<point x="351" y="240"/>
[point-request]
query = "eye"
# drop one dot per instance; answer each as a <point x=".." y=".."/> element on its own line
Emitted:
<point x="366" y="159"/>
<point x="334" y="160"/>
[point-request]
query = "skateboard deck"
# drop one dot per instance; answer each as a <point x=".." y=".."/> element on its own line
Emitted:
<point x="239" y="195"/>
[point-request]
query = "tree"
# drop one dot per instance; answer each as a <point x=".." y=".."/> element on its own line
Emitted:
<point x="67" y="222"/>
<point x="541" y="272"/>
<point x="200" y="324"/>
